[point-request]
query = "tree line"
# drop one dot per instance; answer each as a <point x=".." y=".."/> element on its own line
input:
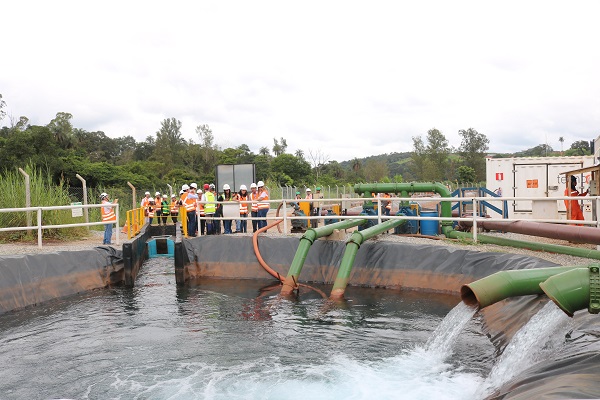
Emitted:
<point x="166" y="157"/>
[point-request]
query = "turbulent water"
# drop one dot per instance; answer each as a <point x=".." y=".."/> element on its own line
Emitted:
<point x="235" y="339"/>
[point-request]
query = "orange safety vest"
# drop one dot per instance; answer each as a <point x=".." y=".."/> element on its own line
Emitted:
<point x="145" y="202"/>
<point x="264" y="202"/>
<point x="243" y="206"/>
<point x="190" y="204"/>
<point x="108" y="216"/>
<point x="174" y="206"/>
<point x="573" y="208"/>
<point x="150" y="210"/>
<point x="254" y="198"/>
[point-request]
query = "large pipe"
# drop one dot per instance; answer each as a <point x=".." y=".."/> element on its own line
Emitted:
<point x="575" y="290"/>
<point x="582" y="234"/>
<point x="551" y="248"/>
<point x="290" y="283"/>
<point x="412" y="187"/>
<point x="352" y="246"/>
<point x="504" y="284"/>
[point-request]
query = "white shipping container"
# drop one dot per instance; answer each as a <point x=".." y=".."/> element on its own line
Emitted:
<point x="533" y="177"/>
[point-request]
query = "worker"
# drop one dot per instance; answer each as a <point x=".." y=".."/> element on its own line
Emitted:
<point x="317" y="205"/>
<point x="108" y="216"/>
<point x="209" y="209"/>
<point x="254" y="206"/>
<point x="151" y="210"/>
<point x="242" y="197"/>
<point x="144" y="204"/>
<point x="174" y="208"/>
<point x="386" y="204"/>
<point x="298" y="196"/>
<point x="227" y="196"/>
<point x="191" y="201"/>
<point x="573" y="208"/>
<point x="201" y="211"/>
<point x="310" y="196"/>
<point x="263" y="204"/>
<point x="158" y="208"/>
<point x="165" y="209"/>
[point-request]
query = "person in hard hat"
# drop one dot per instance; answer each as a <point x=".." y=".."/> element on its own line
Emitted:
<point x="151" y="210"/>
<point x="201" y="212"/>
<point x="210" y="209"/>
<point x="108" y="216"/>
<point x="254" y="206"/>
<point x="242" y="197"/>
<point x="226" y="196"/>
<point x="573" y="207"/>
<point x="310" y="196"/>
<point x="174" y="208"/>
<point x="298" y="196"/>
<point x="165" y="208"/>
<point x="191" y="202"/>
<point x="157" y="208"/>
<point x="263" y="204"/>
<point x="144" y="204"/>
<point x="387" y="204"/>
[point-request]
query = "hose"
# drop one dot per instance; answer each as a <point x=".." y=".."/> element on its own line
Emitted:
<point x="270" y="270"/>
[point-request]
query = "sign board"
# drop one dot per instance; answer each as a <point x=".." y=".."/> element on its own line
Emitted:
<point x="499" y="176"/>
<point x="76" y="212"/>
<point x="235" y="176"/>
<point x="231" y="210"/>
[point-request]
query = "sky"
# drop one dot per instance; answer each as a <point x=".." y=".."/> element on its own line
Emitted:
<point x="337" y="79"/>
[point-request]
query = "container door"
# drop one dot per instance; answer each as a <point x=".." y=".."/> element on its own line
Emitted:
<point x="530" y="181"/>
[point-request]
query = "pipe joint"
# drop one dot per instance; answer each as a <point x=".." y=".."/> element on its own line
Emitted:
<point x="594" y="306"/>
<point x="357" y="238"/>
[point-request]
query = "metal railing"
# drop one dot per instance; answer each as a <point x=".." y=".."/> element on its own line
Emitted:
<point x="40" y="227"/>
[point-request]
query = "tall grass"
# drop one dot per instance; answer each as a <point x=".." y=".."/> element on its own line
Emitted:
<point x="44" y="192"/>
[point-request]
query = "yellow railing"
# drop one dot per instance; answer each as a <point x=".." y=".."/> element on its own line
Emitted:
<point x="135" y="221"/>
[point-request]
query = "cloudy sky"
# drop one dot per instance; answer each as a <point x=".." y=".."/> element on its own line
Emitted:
<point x="347" y="78"/>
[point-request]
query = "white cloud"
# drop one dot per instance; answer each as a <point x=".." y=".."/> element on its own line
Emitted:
<point x="351" y="78"/>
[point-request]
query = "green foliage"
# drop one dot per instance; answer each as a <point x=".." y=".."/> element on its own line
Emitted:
<point x="289" y="169"/>
<point x="465" y="174"/>
<point x="473" y="148"/>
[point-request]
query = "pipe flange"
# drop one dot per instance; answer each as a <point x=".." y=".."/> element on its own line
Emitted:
<point x="594" y="306"/>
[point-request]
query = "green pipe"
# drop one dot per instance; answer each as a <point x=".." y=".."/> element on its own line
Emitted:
<point x="352" y="246"/>
<point x="411" y="187"/>
<point x="504" y="284"/>
<point x="550" y="248"/>
<point x="575" y="290"/>
<point x="290" y="283"/>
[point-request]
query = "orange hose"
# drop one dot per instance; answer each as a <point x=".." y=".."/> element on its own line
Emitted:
<point x="270" y="270"/>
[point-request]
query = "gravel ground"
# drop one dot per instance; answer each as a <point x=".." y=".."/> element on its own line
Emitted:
<point x="95" y="239"/>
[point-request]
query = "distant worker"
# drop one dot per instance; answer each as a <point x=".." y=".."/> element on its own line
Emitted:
<point x="573" y="208"/>
<point x="201" y="211"/>
<point x="158" y="208"/>
<point x="263" y="204"/>
<point x="310" y="196"/>
<point x="144" y="204"/>
<point x="386" y="204"/>
<point x="165" y="209"/>
<point x="298" y="196"/>
<point x="318" y="204"/>
<point x="254" y="206"/>
<point x="108" y="216"/>
<point x="227" y="196"/>
<point x="210" y="208"/>
<point x="191" y="201"/>
<point x="174" y="208"/>
<point x="151" y="211"/>
<point x="242" y="197"/>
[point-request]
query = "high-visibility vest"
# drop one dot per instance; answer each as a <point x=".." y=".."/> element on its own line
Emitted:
<point x="190" y="204"/>
<point x="145" y="202"/>
<point x="108" y="215"/>
<point x="158" y="201"/>
<point x="263" y="203"/>
<point x="201" y="208"/>
<point x="244" y="206"/>
<point x="150" y="210"/>
<point x="210" y="207"/>
<point x="174" y="206"/>
<point x="165" y="207"/>
<point x="254" y="198"/>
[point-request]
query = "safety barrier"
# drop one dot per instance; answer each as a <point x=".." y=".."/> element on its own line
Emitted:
<point x="135" y="222"/>
<point x="40" y="227"/>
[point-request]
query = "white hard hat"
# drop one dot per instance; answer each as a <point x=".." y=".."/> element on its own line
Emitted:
<point x="147" y="193"/>
<point x="164" y="196"/>
<point x="243" y="187"/>
<point x="211" y="186"/>
<point x="252" y="185"/>
<point x="173" y="195"/>
<point x="260" y="184"/>
<point x="199" y="191"/>
<point x="103" y="195"/>
<point x="184" y="187"/>
<point x="308" y="189"/>
<point x="181" y="192"/>
<point x="226" y="187"/>
<point x="157" y="194"/>
<point x="194" y="185"/>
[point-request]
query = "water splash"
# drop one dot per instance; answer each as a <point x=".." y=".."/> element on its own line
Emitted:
<point x="529" y="345"/>
<point x="445" y="335"/>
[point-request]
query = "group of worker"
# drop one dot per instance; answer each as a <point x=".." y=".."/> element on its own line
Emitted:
<point x="204" y="208"/>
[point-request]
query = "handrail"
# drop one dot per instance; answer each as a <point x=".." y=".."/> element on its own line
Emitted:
<point x="39" y="226"/>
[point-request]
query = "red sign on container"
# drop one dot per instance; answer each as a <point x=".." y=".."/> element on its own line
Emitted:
<point x="499" y="176"/>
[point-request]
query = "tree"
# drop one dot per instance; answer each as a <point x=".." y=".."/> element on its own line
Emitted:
<point x="419" y="158"/>
<point x="466" y="174"/>
<point x="264" y="151"/>
<point x="473" y="148"/>
<point x="287" y="165"/>
<point x="318" y="159"/>
<point x="2" y="106"/>
<point x="582" y="147"/>
<point x="209" y="149"/>
<point x="376" y="170"/>
<point x="62" y="129"/>
<point x="279" y="147"/>
<point x="437" y="151"/>
<point x="169" y="144"/>
<point x="562" y="141"/>
<point x="300" y="154"/>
